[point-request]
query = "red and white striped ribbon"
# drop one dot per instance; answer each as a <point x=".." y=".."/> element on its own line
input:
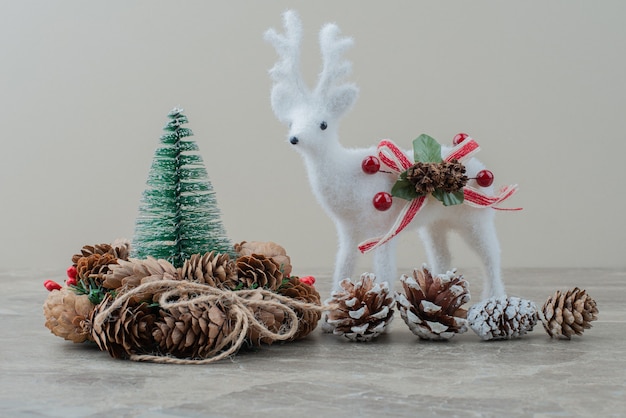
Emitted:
<point x="397" y="161"/>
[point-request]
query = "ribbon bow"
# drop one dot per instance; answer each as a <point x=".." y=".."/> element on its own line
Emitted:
<point x="396" y="161"/>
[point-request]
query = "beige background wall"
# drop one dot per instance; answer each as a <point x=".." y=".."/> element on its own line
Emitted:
<point x="85" y="88"/>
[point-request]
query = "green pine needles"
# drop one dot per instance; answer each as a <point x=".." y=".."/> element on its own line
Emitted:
<point x="178" y="214"/>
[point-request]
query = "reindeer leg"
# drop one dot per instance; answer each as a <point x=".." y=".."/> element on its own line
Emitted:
<point x="435" y="239"/>
<point x="482" y="237"/>
<point x="344" y="263"/>
<point x="385" y="267"/>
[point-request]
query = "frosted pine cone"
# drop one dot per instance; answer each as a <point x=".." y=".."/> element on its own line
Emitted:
<point x="364" y="310"/>
<point x="568" y="313"/>
<point x="502" y="318"/>
<point x="67" y="315"/>
<point x="431" y="306"/>
<point x="268" y="249"/>
<point x="213" y="269"/>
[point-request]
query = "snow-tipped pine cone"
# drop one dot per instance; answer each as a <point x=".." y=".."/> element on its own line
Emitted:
<point x="431" y="306"/>
<point x="502" y="318"/>
<point x="364" y="309"/>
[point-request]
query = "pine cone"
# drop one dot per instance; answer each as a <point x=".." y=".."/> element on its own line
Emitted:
<point x="129" y="274"/>
<point x="447" y="176"/>
<point x="213" y="269"/>
<point x="127" y="330"/>
<point x="365" y="308"/>
<point x="119" y="249"/>
<point x="94" y="267"/>
<point x="67" y="315"/>
<point x="431" y="306"/>
<point x="502" y="318"/>
<point x="197" y="331"/>
<point x="273" y="318"/>
<point x="257" y="270"/>
<point x="425" y="177"/>
<point x="297" y="290"/>
<point x="268" y="249"/>
<point x="568" y="313"/>
<point x="453" y="177"/>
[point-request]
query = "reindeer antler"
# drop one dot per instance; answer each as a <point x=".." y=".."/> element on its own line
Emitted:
<point x="332" y="48"/>
<point x="289" y="87"/>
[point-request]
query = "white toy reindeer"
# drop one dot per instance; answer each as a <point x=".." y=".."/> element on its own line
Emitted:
<point x="335" y="173"/>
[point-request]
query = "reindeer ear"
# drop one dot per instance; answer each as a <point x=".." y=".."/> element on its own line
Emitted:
<point x="283" y="100"/>
<point x="341" y="99"/>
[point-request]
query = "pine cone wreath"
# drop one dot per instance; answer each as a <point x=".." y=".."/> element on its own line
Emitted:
<point x="364" y="309"/>
<point x="67" y="315"/>
<point x="268" y="249"/>
<point x="502" y="318"/>
<point x="195" y="331"/>
<point x="258" y="271"/>
<point x="303" y="292"/>
<point x="213" y="269"/>
<point x="568" y="313"/>
<point x="431" y="306"/>
<point x="127" y="330"/>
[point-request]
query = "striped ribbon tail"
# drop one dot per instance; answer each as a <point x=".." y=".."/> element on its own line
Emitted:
<point x="392" y="156"/>
<point x="475" y="198"/>
<point x="404" y="218"/>
<point x="463" y="151"/>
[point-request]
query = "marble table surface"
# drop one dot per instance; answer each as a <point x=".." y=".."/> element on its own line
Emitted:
<point x="326" y="375"/>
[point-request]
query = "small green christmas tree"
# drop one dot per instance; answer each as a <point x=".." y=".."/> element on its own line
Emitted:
<point x="178" y="214"/>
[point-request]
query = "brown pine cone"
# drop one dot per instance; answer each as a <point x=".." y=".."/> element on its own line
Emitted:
<point x="213" y="269"/>
<point x="127" y="330"/>
<point x="568" y="313"/>
<point x="129" y="274"/>
<point x="67" y="315"/>
<point x="268" y="249"/>
<point x="425" y="177"/>
<point x="272" y="318"/>
<point x="196" y="331"/>
<point x="258" y="271"/>
<point x="94" y="267"/>
<point x="364" y="309"/>
<point x="119" y="249"/>
<point x="431" y="306"/>
<point x="502" y="318"/>
<point x="453" y="176"/>
<point x="297" y="290"/>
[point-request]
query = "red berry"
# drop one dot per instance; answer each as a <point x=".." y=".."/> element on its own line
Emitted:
<point x="310" y="280"/>
<point x="382" y="201"/>
<point x="51" y="285"/>
<point x="484" y="178"/>
<point x="71" y="272"/>
<point x="71" y="281"/>
<point x="370" y="165"/>
<point x="458" y="138"/>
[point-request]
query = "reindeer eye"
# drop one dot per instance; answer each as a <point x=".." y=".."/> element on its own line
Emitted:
<point x="323" y="126"/>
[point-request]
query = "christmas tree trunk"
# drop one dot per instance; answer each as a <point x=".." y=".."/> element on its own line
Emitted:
<point x="178" y="215"/>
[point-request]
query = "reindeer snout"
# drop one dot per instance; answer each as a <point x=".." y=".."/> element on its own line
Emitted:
<point x="294" y="140"/>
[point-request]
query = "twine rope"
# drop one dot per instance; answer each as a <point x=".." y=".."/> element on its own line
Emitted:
<point x="238" y="305"/>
